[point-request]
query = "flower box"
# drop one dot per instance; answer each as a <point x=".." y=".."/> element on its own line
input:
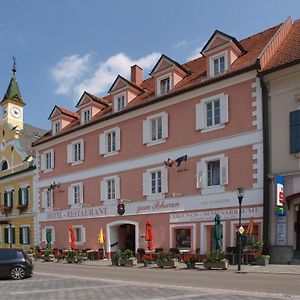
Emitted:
<point x="6" y="209"/>
<point x="128" y="262"/>
<point x="224" y="264"/>
<point x="173" y="263"/>
<point x="262" y="260"/>
<point x="149" y="263"/>
<point x="22" y="207"/>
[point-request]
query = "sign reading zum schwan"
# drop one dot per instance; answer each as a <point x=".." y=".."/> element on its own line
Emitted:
<point x="279" y="191"/>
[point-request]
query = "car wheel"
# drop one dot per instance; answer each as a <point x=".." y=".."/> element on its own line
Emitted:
<point x="17" y="273"/>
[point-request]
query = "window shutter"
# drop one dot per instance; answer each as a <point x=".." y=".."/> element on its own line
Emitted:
<point x="70" y="195"/>
<point x="5" y="198"/>
<point x="12" y="198"/>
<point x="295" y="131"/>
<point x="28" y="235"/>
<point x="117" y="182"/>
<point x="6" y="235"/>
<point x="13" y="231"/>
<point x="20" y="196"/>
<point x="26" y="194"/>
<point x="83" y="235"/>
<point x="118" y="139"/>
<point x="81" y="193"/>
<point x="165" y="129"/>
<point x="200" y="116"/>
<point x="51" y="198"/>
<point x="69" y="154"/>
<point x="224" y="109"/>
<point x="102" y="144"/>
<point x="103" y="187"/>
<point x="52" y="159"/>
<point x="44" y="199"/>
<point x="82" y="150"/>
<point x="43" y="162"/>
<point x="44" y="235"/>
<point x="145" y="132"/>
<point x="224" y="170"/>
<point x="21" y="235"/>
<point x="201" y="174"/>
<point x="164" y="180"/>
<point x="146" y="184"/>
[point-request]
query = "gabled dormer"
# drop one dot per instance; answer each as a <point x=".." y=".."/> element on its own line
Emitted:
<point x="60" y="118"/>
<point x="89" y="105"/>
<point x="167" y="74"/>
<point x="123" y="91"/>
<point x="221" y="51"/>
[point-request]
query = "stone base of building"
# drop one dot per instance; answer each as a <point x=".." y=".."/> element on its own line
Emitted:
<point x="281" y="254"/>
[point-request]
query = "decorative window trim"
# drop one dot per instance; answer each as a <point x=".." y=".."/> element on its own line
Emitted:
<point x="45" y="193"/>
<point x="10" y="196"/>
<point x="44" y="230"/>
<point x="44" y="166"/>
<point x="70" y="152"/>
<point x="147" y="183"/>
<point x="104" y="189"/>
<point x="202" y="174"/>
<point x="201" y="113"/>
<point x="103" y="142"/>
<point x="116" y="98"/>
<point x="55" y="129"/>
<point x="21" y="228"/>
<point x="82" y="230"/>
<point x="160" y="79"/>
<point x="211" y="63"/>
<point x="71" y="200"/>
<point x="147" y="129"/>
<point x="23" y="187"/>
<point x="83" y="111"/>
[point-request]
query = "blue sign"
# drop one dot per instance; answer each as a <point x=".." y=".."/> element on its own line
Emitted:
<point x="279" y="191"/>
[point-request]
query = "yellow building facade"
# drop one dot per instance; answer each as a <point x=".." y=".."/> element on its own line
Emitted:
<point x="17" y="168"/>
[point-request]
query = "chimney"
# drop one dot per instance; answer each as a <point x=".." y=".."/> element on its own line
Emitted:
<point x="136" y="75"/>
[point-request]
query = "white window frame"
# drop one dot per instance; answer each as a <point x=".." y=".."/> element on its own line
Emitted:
<point x="201" y="113"/>
<point x="71" y="194"/>
<point x="103" y="142"/>
<point x="158" y="83"/>
<point x="71" y="152"/>
<point x="82" y="233"/>
<point x="147" y="183"/>
<point x="10" y="192"/>
<point x="147" y="129"/>
<point x="45" y="165"/>
<point x="44" y="230"/>
<point x="10" y="230"/>
<point x="218" y="56"/>
<point x="104" y="188"/>
<point x="202" y="174"/>
<point x="22" y="227"/>
<point x="56" y="127"/>
<point x="84" y="113"/>
<point x="47" y="199"/>
<point x="23" y="187"/>
<point x="117" y="99"/>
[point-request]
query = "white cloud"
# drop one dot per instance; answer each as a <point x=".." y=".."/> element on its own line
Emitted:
<point x="181" y="44"/>
<point x="68" y="70"/>
<point x="99" y="80"/>
<point x="196" y="53"/>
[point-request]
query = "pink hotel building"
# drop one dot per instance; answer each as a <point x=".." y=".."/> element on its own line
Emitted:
<point x="113" y="149"/>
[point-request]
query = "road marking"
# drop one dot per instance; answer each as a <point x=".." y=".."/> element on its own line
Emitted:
<point x="178" y="287"/>
<point x="66" y="289"/>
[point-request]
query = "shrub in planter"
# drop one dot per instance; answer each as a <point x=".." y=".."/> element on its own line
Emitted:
<point x="167" y="259"/>
<point x="72" y="256"/>
<point x="47" y="255"/>
<point x="216" y="260"/>
<point x="127" y="258"/>
<point x="115" y="259"/>
<point x="262" y="260"/>
<point x="190" y="261"/>
<point x="149" y="261"/>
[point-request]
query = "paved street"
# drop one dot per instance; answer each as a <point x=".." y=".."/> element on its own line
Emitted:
<point x="65" y="281"/>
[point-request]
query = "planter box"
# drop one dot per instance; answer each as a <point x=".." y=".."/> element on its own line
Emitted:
<point x="150" y="264"/>
<point x="130" y="262"/>
<point x="216" y="264"/>
<point x="172" y="263"/>
<point x="262" y="261"/>
<point x="71" y="260"/>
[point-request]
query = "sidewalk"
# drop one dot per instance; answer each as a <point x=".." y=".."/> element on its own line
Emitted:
<point x="269" y="269"/>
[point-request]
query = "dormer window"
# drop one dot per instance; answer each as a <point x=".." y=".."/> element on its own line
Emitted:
<point x="56" y="127"/>
<point x="120" y="102"/>
<point x="86" y="116"/>
<point x="218" y="64"/>
<point x="164" y="84"/>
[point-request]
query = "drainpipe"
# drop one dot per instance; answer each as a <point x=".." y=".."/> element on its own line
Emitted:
<point x="266" y="152"/>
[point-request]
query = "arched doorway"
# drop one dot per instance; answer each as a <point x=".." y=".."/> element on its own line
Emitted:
<point x="122" y="234"/>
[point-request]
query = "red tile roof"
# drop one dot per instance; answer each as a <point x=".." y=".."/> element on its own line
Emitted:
<point x="254" y="45"/>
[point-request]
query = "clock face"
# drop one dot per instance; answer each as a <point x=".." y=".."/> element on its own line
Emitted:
<point x="15" y="112"/>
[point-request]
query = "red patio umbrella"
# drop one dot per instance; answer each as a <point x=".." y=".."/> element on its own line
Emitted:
<point x="149" y="234"/>
<point x="72" y="237"/>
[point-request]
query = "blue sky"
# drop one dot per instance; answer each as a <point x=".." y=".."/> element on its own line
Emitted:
<point x="63" y="47"/>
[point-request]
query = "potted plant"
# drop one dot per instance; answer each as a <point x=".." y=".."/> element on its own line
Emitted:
<point x="167" y="259"/>
<point x="127" y="258"/>
<point x="47" y="255"/>
<point x="216" y="260"/>
<point x="59" y="256"/>
<point x="149" y="261"/>
<point x="262" y="260"/>
<point x="115" y="259"/>
<point x="5" y="209"/>
<point x="190" y="261"/>
<point x="72" y="256"/>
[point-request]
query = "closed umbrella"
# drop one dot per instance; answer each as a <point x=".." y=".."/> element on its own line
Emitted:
<point x="48" y="238"/>
<point x="217" y="233"/>
<point x="101" y="240"/>
<point x="72" y="238"/>
<point x="149" y="234"/>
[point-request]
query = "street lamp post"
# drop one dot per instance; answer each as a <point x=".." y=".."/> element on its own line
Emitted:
<point x="240" y="194"/>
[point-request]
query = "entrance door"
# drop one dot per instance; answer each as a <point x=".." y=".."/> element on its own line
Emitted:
<point x="298" y="231"/>
<point x="127" y="237"/>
